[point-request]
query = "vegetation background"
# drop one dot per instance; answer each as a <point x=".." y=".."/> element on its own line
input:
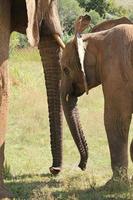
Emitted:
<point x="28" y="155"/>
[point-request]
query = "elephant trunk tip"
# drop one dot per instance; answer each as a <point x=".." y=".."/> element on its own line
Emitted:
<point x="82" y="165"/>
<point x="55" y="170"/>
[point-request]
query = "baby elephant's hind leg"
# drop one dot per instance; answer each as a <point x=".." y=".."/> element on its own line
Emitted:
<point x="117" y="123"/>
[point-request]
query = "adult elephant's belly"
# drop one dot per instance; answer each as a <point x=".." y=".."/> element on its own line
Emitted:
<point x="19" y="18"/>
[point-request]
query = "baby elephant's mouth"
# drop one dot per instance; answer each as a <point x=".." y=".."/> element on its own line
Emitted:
<point x="76" y="91"/>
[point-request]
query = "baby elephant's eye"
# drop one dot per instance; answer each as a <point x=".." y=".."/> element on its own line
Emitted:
<point x="66" y="71"/>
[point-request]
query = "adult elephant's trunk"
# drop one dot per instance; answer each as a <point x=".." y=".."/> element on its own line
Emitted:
<point x="50" y="55"/>
<point x="72" y="117"/>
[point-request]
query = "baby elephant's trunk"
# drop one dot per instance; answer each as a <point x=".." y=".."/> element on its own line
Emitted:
<point x="72" y="117"/>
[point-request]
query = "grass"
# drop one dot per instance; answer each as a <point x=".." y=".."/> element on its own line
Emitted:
<point x="125" y="3"/>
<point x="28" y="155"/>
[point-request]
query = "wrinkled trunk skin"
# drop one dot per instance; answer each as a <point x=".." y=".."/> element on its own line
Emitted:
<point x="72" y="117"/>
<point x="4" y="49"/>
<point x="50" y="55"/>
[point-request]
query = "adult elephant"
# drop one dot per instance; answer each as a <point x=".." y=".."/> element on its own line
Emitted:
<point x="106" y="58"/>
<point x="40" y="21"/>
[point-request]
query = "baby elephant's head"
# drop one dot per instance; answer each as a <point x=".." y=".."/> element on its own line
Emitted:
<point x="72" y="62"/>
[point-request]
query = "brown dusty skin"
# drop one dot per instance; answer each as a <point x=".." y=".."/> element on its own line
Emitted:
<point x="50" y="54"/>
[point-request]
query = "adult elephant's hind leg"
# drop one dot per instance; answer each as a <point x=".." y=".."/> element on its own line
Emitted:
<point x="117" y="123"/>
<point x="4" y="49"/>
<point x="3" y="123"/>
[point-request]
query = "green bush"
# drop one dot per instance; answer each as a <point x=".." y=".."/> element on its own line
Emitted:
<point x="115" y="9"/>
<point x="104" y="7"/>
<point x="14" y="41"/>
<point x="95" y="17"/>
<point x="69" y="10"/>
<point x="131" y="16"/>
<point x="67" y="38"/>
<point x="18" y="41"/>
<point x="100" y="6"/>
<point x="23" y="41"/>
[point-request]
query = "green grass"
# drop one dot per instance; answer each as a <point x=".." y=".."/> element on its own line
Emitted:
<point x="28" y="155"/>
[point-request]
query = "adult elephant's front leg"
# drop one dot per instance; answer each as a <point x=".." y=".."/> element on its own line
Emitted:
<point x="3" y="124"/>
<point x="4" y="50"/>
<point x="50" y="54"/>
<point x="117" y="122"/>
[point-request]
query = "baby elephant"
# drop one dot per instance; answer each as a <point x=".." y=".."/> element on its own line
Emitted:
<point x="106" y="58"/>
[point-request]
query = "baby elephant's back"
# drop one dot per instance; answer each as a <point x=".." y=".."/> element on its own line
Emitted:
<point x="120" y="40"/>
<point x="126" y="52"/>
<point x="120" y="49"/>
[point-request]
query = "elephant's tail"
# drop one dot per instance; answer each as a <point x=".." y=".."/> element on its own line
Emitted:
<point x="131" y="150"/>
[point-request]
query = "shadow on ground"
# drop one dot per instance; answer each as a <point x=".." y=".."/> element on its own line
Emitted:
<point x="47" y="187"/>
<point x="22" y="186"/>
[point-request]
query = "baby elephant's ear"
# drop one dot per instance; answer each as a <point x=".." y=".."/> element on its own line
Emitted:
<point x="82" y="23"/>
